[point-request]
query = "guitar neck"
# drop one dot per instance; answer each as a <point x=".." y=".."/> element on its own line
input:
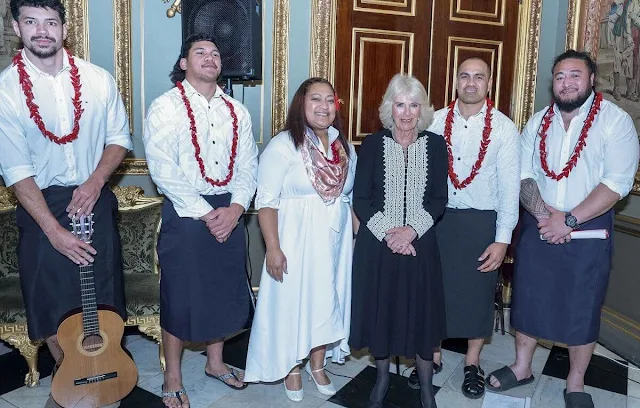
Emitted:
<point x="89" y="303"/>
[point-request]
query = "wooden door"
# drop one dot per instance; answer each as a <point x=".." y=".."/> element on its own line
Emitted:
<point x="375" y="39"/>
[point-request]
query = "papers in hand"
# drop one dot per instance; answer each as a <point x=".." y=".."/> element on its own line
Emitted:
<point x="492" y="400"/>
<point x="588" y="234"/>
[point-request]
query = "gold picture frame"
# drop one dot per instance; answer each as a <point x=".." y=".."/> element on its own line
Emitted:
<point x="590" y="28"/>
<point x="78" y="43"/>
<point x="323" y="42"/>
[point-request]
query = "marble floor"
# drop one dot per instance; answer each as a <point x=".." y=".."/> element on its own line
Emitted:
<point x="611" y="380"/>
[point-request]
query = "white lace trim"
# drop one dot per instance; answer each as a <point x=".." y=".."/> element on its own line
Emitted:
<point x="395" y="196"/>
<point x="417" y="176"/>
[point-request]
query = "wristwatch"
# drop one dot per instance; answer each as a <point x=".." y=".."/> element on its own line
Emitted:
<point x="571" y="221"/>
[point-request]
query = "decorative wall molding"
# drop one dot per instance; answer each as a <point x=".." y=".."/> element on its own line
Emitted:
<point x="78" y="27"/>
<point x="323" y="39"/>
<point x="524" y="84"/>
<point x="122" y="54"/>
<point x="280" y="64"/>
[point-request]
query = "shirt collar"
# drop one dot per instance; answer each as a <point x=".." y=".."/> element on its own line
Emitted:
<point x="482" y="111"/>
<point x="333" y="135"/>
<point x="584" y="108"/>
<point x="37" y="72"/>
<point x="189" y="90"/>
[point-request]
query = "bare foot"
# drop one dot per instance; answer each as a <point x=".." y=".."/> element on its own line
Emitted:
<point x="222" y="369"/>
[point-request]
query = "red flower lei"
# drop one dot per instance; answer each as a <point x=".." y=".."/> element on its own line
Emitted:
<point x="582" y="140"/>
<point x="196" y="145"/>
<point x="335" y="153"/>
<point x="27" y="89"/>
<point x="486" y="133"/>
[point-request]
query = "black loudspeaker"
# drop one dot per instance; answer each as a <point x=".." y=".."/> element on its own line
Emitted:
<point x="236" y="25"/>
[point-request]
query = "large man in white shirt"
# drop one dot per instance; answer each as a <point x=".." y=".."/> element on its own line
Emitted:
<point x="475" y="230"/>
<point x="579" y="157"/>
<point x="63" y="131"/>
<point x="203" y="158"/>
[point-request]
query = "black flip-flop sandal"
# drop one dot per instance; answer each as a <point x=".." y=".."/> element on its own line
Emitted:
<point x="577" y="400"/>
<point x="174" y="394"/>
<point x="507" y="380"/>
<point x="224" y="377"/>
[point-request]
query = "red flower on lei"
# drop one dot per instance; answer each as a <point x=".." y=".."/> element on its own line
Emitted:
<point x="27" y="89"/>
<point x="196" y="145"/>
<point x="484" y="144"/>
<point x="582" y="140"/>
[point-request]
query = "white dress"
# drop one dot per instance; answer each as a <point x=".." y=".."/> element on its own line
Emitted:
<point x="312" y="306"/>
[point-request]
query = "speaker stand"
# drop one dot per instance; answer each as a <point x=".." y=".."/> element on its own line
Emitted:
<point x="228" y="88"/>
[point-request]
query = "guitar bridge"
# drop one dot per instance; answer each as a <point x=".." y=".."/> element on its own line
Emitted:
<point x="95" y="378"/>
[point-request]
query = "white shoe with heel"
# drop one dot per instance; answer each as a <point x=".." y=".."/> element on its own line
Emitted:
<point x="328" y="389"/>
<point x="293" y="395"/>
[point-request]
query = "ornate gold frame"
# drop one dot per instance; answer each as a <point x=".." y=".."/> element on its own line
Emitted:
<point x="323" y="34"/>
<point x="78" y="42"/>
<point x="280" y="64"/>
<point x="583" y="33"/>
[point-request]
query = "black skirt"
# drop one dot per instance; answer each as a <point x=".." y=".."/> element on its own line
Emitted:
<point x="204" y="294"/>
<point x="397" y="300"/>
<point x="50" y="281"/>
<point x="463" y="235"/>
<point x="559" y="290"/>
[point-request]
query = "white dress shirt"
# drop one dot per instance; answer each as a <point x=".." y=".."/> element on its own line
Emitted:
<point x="610" y="156"/>
<point x="171" y="155"/>
<point x="26" y="152"/>
<point x="497" y="184"/>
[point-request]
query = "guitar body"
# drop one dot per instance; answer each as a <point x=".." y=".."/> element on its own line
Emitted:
<point x="95" y="370"/>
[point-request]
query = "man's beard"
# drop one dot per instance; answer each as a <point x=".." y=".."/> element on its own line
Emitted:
<point x="571" y="105"/>
<point x="44" y="54"/>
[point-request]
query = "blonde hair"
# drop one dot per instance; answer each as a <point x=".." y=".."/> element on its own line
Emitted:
<point x="402" y="84"/>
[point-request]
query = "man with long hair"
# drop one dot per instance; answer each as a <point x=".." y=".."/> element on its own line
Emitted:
<point x="203" y="158"/>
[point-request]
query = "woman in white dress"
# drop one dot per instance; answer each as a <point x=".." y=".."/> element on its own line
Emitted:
<point x="305" y="178"/>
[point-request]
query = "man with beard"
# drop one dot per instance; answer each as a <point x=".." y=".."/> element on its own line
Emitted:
<point x="579" y="157"/>
<point x="204" y="159"/>
<point x="63" y="131"/>
<point x="482" y="210"/>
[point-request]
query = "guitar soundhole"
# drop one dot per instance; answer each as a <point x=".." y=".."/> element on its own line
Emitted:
<point x="92" y="343"/>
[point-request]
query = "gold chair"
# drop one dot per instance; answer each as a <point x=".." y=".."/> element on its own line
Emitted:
<point x="13" y="317"/>
<point x="139" y="219"/>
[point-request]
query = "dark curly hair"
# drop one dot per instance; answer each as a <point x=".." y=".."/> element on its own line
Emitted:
<point x="178" y="74"/>
<point x="296" y="122"/>
<point x="56" y="5"/>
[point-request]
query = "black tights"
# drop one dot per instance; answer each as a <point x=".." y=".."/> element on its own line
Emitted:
<point x="425" y="373"/>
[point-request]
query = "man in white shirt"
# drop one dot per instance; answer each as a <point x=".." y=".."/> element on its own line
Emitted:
<point x="57" y="157"/>
<point x="579" y="157"/>
<point x="482" y="210"/>
<point x="203" y="158"/>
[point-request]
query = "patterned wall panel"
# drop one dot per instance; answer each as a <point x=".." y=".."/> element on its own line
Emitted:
<point x="395" y="7"/>
<point x="459" y="49"/>
<point x="491" y="12"/>
<point x="377" y="56"/>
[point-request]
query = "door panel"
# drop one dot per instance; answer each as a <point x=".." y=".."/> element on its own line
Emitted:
<point x="375" y="39"/>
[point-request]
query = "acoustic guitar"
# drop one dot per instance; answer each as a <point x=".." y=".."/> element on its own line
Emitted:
<point x="95" y="370"/>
